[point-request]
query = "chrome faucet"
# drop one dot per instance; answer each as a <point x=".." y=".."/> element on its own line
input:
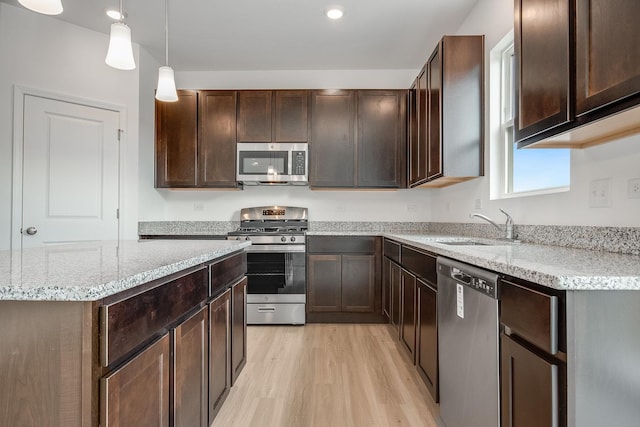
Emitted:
<point x="508" y="226"/>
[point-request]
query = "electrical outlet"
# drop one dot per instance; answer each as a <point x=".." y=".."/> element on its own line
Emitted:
<point x="198" y="207"/>
<point x="412" y="207"/>
<point x="634" y="188"/>
<point x="600" y="193"/>
<point x="478" y="204"/>
<point x="341" y="209"/>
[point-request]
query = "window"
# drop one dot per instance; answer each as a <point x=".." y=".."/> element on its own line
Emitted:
<point x="520" y="172"/>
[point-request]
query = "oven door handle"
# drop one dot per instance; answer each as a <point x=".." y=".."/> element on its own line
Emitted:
<point x="275" y="248"/>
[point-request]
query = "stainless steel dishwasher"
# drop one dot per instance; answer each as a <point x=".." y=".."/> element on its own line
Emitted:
<point x="468" y="342"/>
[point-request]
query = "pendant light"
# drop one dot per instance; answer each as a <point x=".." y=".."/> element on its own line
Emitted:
<point x="166" y="91"/>
<point x="46" y="7"/>
<point x="120" y="53"/>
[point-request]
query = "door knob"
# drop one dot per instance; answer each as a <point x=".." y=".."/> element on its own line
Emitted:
<point x="31" y="231"/>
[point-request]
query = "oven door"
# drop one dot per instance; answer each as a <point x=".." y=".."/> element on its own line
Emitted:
<point x="276" y="273"/>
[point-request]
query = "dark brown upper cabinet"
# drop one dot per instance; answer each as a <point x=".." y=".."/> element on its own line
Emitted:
<point x="578" y="62"/>
<point x="543" y="63"/>
<point x="195" y="140"/>
<point x="452" y="82"/>
<point x="417" y="127"/>
<point x="607" y="52"/>
<point x="272" y="116"/>
<point x="177" y="141"/>
<point x="358" y="139"/>
<point x="381" y="141"/>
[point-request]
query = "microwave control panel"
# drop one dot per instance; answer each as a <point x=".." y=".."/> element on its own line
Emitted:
<point x="299" y="163"/>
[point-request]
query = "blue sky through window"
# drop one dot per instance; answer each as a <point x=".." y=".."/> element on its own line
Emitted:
<point x="538" y="168"/>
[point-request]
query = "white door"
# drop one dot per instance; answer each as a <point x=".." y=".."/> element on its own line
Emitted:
<point x="70" y="172"/>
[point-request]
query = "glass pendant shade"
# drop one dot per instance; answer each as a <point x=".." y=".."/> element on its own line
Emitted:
<point x="46" y="7"/>
<point x="166" y="85"/>
<point x="120" y="53"/>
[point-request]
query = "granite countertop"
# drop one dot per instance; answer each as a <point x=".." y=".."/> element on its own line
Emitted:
<point x="94" y="270"/>
<point x="552" y="266"/>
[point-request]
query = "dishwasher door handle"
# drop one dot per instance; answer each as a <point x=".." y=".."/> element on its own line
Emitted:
<point x="460" y="276"/>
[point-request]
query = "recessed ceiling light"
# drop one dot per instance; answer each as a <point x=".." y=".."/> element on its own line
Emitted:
<point x="335" y="12"/>
<point x="114" y="14"/>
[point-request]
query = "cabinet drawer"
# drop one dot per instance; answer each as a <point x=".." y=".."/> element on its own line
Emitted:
<point x="342" y="244"/>
<point x="531" y="315"/>
<point x="127" y="324"/>
<point x="422" y="264"/>
<point x="392" y="250"/>
<point x="227" y="271"/>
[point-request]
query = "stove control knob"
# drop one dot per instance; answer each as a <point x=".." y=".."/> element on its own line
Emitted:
<point x="283" y="239"/>
<point x="247" y="238"/>
<point x="293" y="239"/>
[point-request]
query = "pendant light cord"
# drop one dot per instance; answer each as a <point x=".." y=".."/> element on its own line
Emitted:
<point x="121" y="14"/>
<point x="166" y="32"/>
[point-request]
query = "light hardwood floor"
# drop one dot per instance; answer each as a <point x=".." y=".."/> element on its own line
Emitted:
<point x="326" y="375"/>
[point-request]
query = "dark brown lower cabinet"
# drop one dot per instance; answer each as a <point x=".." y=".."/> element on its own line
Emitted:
<point x="238" y="328"/>
<point x="190" y="367"/>
<point x="358" y="283"/>
<point x="324" y="290"/>
<point x="137" y="394"/>
<point x="408" y="328"/>
<point x="219" y="352"/>
<point x="531" y="387"/>
<point x="427" y="336"/>
<point x="396" y="296"/>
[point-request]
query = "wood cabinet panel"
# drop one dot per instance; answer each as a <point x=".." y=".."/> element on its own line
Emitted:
<point x="324" y="284"/>
<point x="238" y="328"/>
<point x="137" y="394"/>
<point x="217" y="138"/>
<point x="434" y="116"/>
<point x="420" y="263"/>
<point x="291" y="116"/>
<point x="332" y="139"/>
<point x="408" y="316"/>
<point x="396" y="295"/>
<point x="530" y="387"/>
<point x="190" y="368"/>
<point x="427" y="336"/>
<point x="127" y="324"/>
<point x="226" y="271"/>
<point x="177" y="141"/>
<point x="381" y="139"/>
<point x="358" y="283"/>
<point x="219" y="352"/>
<point x="607" y="52"/>
<point x="342" y="244"/>
<point x="419" y="128"/>
<point x="254" y="116"/>
<point x="542" y="67"/>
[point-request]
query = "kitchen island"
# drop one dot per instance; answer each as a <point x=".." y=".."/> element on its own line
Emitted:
<point x="91" y="331"/>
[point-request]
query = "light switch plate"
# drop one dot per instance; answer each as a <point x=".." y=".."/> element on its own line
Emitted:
<point x="634" y="188"/>
<point x="600" y="193"/>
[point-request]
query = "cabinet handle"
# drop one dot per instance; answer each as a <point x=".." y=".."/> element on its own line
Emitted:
<point x="266" y="309"/>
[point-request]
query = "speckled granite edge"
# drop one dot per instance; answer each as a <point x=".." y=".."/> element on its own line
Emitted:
<point x="623" y="240"/>
<point x="362" y="226"/>
<point x="180" y="228"/>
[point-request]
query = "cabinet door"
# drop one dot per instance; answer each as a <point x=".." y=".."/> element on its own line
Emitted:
<point x="254" y="116"/>
<point x="434" y="115"/>
<point x="177" y="141"/>
<point x="386" y="288"/>
<point x="419" y="131"/>
<point x="137" y="394"/>
<point x="542" y="66"/>
<point x="291" y="116"/>
<point x="358" y="283"/>
<point x="608" y="52"/>
<point x="219" y="352"/>
<point x="324" y="279"/>
<point x="381" y="139"/>
<point x="217" y="139"/>
<point x="190" y="367"/>
<point x="238" y="328"/>
<point x="408" y="328"/>
<point x="530" y="387"/>
<point x="396" y="296"/>
<point x="332" y="144"/>
<point x="427" y="336"/>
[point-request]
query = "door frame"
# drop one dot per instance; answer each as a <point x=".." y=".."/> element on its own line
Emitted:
<point x="19" y="94"/>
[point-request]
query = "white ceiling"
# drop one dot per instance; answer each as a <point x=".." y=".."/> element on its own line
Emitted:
<point x="281" y="34"/>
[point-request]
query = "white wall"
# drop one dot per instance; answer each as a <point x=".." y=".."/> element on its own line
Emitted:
<point x="44" y="53"/>
<point x="349" y="205"/>
<point x="617" y="160"/>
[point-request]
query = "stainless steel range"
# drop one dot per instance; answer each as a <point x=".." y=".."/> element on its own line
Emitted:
<point x="276" y="263"/>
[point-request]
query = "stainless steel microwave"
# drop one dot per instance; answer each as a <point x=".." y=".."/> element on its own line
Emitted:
<point x="267" y="163"/>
